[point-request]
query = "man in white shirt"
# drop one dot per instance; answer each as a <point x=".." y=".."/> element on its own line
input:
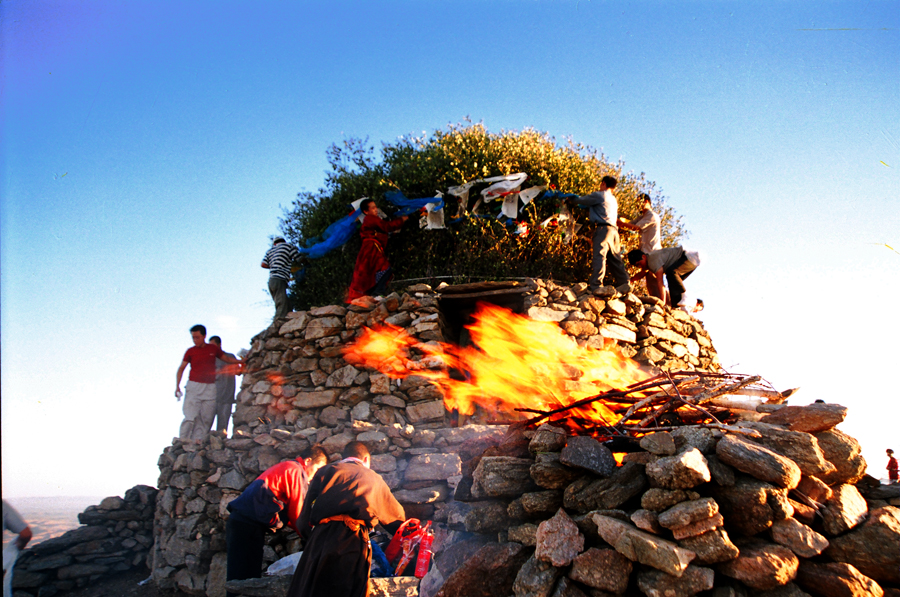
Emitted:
<point x="648" y="225"/>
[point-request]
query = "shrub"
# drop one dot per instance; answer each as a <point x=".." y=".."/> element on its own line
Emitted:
<point x="471" y="248"/>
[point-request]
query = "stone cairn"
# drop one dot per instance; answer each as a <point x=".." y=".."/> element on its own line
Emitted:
<point x="779" y="504"/>
<point x="297" y="390"/>
<point x="116" y="537"/>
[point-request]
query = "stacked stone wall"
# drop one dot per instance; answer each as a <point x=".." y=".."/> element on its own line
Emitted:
<point x="298" y="390"/>
<point x="116" y="537"/>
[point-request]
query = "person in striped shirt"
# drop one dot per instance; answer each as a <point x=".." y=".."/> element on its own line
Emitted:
<point x="278" y="261"/>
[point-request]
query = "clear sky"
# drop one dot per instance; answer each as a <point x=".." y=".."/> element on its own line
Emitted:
<point x="148" y="149"/>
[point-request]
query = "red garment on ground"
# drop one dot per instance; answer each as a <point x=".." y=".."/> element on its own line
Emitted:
<point x="203" y="362"/>
<point x="371" y="258"/>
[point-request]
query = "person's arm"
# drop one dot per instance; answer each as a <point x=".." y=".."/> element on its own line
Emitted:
<point x="660" y="285"/>
<point x="303" y="526"/>
<point x="264" y="265"/>
<point x="390" y="225"/>
<point x="23" y="538"/>
<point x="642" y="273"/>
<point x="178" y="379"/>
<point x="228" y="358"/>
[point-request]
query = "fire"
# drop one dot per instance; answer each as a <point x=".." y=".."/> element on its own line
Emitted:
<point x="515" y="363"/>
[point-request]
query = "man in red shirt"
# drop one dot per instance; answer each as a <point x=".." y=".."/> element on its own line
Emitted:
<point x="273" y="499"/>
<point x="200" y="399"/>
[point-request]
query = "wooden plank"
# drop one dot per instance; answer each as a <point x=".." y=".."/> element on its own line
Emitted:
<point x="486" y="293"/>
<point x="476" y="286"/>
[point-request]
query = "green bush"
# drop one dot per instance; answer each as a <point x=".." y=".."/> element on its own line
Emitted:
<point x="472" y="248"/>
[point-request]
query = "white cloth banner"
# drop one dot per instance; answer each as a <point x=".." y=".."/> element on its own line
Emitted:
<point x="355" y="205"/>
<point x="693" y="256"/>
<point x="505" y="185"/>
<point x="528" y="195"/>
<point x="510" y="207"/>
<point x="461" y="192"/>
<point x="434" y="217"/>
<point x="566" y="224"/>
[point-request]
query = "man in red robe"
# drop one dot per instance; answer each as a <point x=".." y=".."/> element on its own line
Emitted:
<point x="345" y="500"/>
<point x="373" y="271"/>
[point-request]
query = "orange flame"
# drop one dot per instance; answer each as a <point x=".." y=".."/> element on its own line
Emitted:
<point x="516" y="363"/>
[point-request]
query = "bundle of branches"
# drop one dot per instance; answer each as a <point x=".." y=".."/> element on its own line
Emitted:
<point x="664" y="402"/>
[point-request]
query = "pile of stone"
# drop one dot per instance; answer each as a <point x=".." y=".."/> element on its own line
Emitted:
<point x="644" y="327"/>
<point x="297" y="378"/>
<point x="298" y="390"/>
<point x="198" y="480"/>
<point x="116" y="537"/>
<point x="780" y="507"/>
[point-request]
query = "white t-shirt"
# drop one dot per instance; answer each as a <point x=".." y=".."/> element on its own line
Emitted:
<point x="649" y="225"/>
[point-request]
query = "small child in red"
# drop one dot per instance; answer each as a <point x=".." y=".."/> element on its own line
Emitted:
<point x="892" y="468"/>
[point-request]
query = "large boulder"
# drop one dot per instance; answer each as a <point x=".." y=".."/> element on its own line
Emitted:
<point x="874" y="547"/>
<point x="758" y="461"/>
<point x="836" y="579"/>
<point x="587" y="494"/>
<point x="489" y="573"/>
<point x="762" y="565"/>
<point x="558" y="540"/>
<point x="845" y="453"/>
<point x="502" y="476"/>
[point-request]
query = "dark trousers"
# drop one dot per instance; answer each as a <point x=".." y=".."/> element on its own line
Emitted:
<point x="278" y="290"/>
<point x="675" y="276"/>
<point x="245" y="542"/>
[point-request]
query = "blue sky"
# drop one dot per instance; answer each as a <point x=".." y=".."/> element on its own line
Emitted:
<point x="148" y="149"/>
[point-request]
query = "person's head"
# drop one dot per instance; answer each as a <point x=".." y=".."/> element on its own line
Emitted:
<point x="313" y="459"/>
<point x="277" y="240"/>
<point x="637" y="257"/>
<point x="608" y="182"/>
<point x="198" y="334"/>
<point x="699" y="306"/>
<point x="890" y="452"/>
<point x="645" y="201"/>
<point x="368" y="207"/>
<point x="357" y="450"/>
<point x="215" y="340"/>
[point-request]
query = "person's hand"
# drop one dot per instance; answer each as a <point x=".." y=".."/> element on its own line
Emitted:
<point x="178" y="394"/>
